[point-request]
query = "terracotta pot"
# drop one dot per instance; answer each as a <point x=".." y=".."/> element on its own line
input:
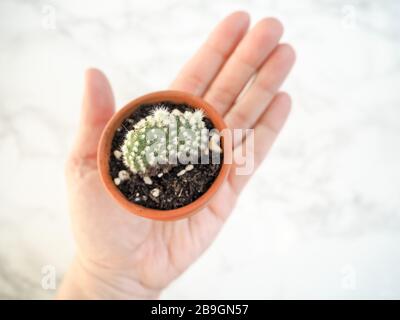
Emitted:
<point x="104" y="150"/>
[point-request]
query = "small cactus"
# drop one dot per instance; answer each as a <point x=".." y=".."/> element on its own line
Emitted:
<point x="157" y="141"/>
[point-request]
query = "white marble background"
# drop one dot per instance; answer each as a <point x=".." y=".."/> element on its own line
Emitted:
<point x="322" y="217"/>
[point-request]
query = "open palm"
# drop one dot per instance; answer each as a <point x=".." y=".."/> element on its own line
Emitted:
<point x="129" y="256"/>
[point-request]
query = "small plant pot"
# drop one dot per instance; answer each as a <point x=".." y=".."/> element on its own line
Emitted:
<point x="105" y="151"/>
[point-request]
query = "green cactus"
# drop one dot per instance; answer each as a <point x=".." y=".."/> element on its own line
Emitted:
<point x="162" y="139"/>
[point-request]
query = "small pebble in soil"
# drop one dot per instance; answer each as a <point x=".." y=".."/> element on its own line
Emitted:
<point x="155" y="192"/>
<point x="181" y="173"/>
<point x="117" y="181"/>
<point x="160" y="174"/>
<point x="123" y="175"/>
<point x="147" y="180"/>
<point x="117" y="154"/>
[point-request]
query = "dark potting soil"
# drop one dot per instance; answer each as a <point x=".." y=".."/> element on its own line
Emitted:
<point x="174" y="191"/>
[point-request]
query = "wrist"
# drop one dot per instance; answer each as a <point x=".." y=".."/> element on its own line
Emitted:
<point x="89" y="282"/>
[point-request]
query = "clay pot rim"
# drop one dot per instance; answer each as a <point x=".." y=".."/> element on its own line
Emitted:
<point x="104" y="150"/>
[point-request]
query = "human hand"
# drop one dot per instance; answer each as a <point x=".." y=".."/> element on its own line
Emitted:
<point x="120" y="255"/>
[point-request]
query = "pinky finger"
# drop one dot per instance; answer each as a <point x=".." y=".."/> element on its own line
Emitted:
<point x="264" y="134"/>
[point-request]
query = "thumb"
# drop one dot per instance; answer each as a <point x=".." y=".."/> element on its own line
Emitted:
<point x="97" y="109"/>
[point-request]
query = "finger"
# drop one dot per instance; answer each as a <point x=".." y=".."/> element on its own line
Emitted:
<point x="243" y="63"/>
<point x="264" y="134"/>
<point x="248" y="109"/>
<point x="97" y="109"/>
<point x="197" y="74"/>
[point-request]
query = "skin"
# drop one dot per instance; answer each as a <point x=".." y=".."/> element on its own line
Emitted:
<point x="123" y="256"/>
